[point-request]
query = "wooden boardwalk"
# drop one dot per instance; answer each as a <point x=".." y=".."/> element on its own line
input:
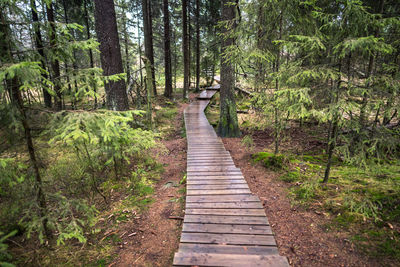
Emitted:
<point x="224" y="223"/>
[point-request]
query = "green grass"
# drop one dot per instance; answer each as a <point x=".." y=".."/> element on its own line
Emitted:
<point x="364" y="202"/>
<point x="270" y="160"/>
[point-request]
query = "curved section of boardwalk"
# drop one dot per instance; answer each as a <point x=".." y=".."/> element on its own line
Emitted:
<point x="224" y="223"/>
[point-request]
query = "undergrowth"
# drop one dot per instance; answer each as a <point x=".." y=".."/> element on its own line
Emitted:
<point x="363" y="202"/>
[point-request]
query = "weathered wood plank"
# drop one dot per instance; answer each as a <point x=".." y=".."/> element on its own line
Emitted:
<point x="217" y="186"/>
<point x="215" y="177"/>
<point x="194" y="192"/>
<point x="250" y="220"/>
<point x="228" y="239"/>
<point x="192" y="181"/>
<point x="231" y="260"/>
<point x="227" y="229"/>
<point x="237" y="212"/>
<point x="224" y="224"/>
<point x="228" y="249"/>
<point x="226" y="198"/>
<point x="224" y="205"/>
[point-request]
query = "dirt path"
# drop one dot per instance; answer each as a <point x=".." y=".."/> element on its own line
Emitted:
<point x="157" y="235"/>
<point x="300" y="234"/>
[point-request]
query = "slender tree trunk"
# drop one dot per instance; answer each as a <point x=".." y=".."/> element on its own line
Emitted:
<point x="91" y="61"/>
<point x="260" y="46"/>
<point x="185" y="37"/>
<point x="276" y="110"/>
<point x="228" y="123"/>
<point x="74" y="66"/>
<point x="197" y="45"/>
<point x="126" y="42"/>
<point x="333" y="135"/>
<point x="189" y="43"/>
<point x="149" y="84"/>
<point x="148" y="39"/>
<point x="140" y="56"/>
<point x="39" y="47"/>
<point x="110" y="54"/>
<point x="13" y="87"/>
<point x="167" y="52"/>
<point x="175" y="59"/>
<point x="55" y="64"/>
<point x="363" y="116"/>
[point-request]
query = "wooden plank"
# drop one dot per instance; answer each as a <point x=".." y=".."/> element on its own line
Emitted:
<point x="225" y="205"/>
<point x="250" y="220"/>
<point x="230" y="168"/>
<point x="224" y="224"/>
<point x="228" y="249"/>
<point x="215" y="173"/>
<point x="194" y="192"/>
<point x="212" y="164"/>
<point x="227" y="212"/>
<point x="207" y="160"/>
<point x="226" y="198"/>
<point x="231" y="260"/>
<point x="217" y="186"/>
<point x="215" y="182"/>
<point x="228" y="239"/>
<point x="227" y="229"/>
<point x="215" y="177"/>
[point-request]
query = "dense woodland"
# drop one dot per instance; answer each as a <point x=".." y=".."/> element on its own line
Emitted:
<point x="88" y="91"/>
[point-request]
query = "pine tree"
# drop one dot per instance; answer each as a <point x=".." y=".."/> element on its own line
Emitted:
<point x="228" y="123"/>
<point x="110" y="54"/>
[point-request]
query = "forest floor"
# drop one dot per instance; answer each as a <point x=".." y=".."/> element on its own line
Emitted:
<point x="309" y="233"/>
<point x="158" y="232"/>
<point x="304" y="233"/>
<point x="300" y="233"/>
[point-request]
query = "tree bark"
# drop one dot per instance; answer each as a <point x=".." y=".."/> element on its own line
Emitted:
<point x="91" y="61"/>
<point x="185" y="48"/>
<point x="13" y="87"/>
<point x="55" y="64"/>
<point x="228" y="123"/>
<point x="126" y="42"/>
<point x="39" y="47"/>
<point x="197" y="45"/>
<point x="148" y="39"/>
<point x="276" y="111"/>
<point x="110" y="53"/>
<point x="167" y="52"/>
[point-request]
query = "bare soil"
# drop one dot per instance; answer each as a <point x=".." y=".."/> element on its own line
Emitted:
<point x="158" y="231"/>
<point x="300" y="233"/>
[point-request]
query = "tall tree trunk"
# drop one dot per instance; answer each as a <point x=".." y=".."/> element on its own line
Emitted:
<point x="175" y="58"/>
<point x="91" y="61"/>
<point x="167" y="52"/>
<point x="260" y="46"/>
<point x="333" y="128"/>
<point x="140" y="55"/>
<point x="228" y="123"/>
<point x="110" y="53"/>
<point x="197" y="45"/>
<point x="148" y="39"/>
<point x="126" y="42"/>
<point x="39" y="47"/>
<point x="74" y="66"/>
<point x="13" y="87"/>
<point x="276" y="110"/>
<point x="55" y="64"/>
<point x="185" y="37"/>
<point x="149" y="84"/>
<point x="189" y="43"/>
<point x="363" y="116"/>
